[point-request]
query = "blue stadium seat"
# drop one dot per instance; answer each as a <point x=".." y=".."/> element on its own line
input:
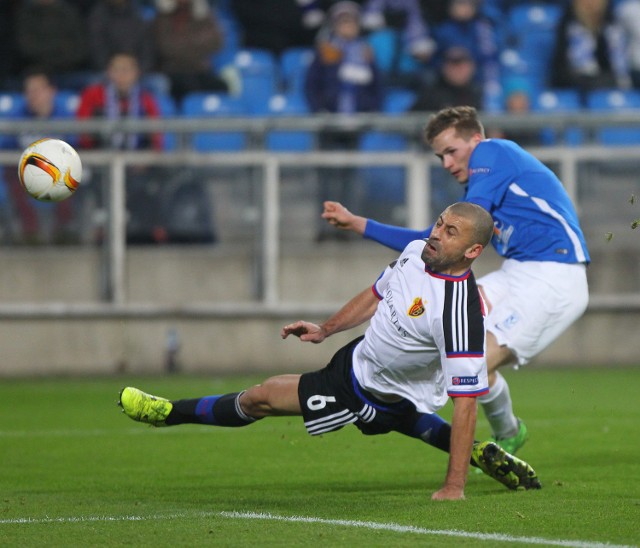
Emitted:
<point x="294" y="63"/>
<point x="398" y="101"/>
<point x="385" y="43"/>
<point x="199" y="105"/>
<point x="67" y="103"/>
<point x="540" y="17"/>
<point x="259" y="73"/>
<point x="615" y="101"/>
<point x="284" y="140"/>
<point x="11" y="105"/>
<point x="559" y="101"/>
<point x="383" y="183"/>
<point x="531" y="33"/>
<point x="157" y="83"/>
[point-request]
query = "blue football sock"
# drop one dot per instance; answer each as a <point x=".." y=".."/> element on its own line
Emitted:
<point x="432" y="429"/>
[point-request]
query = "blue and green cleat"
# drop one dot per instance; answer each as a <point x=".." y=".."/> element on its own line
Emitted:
<point x="511" y="471"/>
<point x="143" y="407"/>
<point x="512" y="444"/>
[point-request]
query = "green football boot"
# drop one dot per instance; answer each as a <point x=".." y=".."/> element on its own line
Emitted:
<point x="143" y="407"/>
<point x="512" y="444"/>
<point x="511" y="471"/>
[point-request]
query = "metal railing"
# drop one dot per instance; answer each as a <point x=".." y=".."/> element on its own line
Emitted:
<point x="417" y="163"/>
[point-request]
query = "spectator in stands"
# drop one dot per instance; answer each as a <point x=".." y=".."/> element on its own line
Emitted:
<point x="51" y="34"/>
<point x="159" y="211"/>
<point x="590" y="48"/>
<point x="276" y="25"/>
<point x="117" y="26"/>
<point x="38" y="222"/>
<point x="186" y="35"/>
<point x="467" y="27"/>
<point x="120" y="95"/>
<point x="401" y="39"/>
<point x="628" y="13"/>
<point x="517" y="101"/>
<point x="342" y="78"/>
<point x="455" y="85"/>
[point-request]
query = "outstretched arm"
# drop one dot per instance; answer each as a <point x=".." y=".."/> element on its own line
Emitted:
<point x="395" y="237"/>
<point x="357" y="311"/>
<point x="463" y="426"/>
<point x="339" y="216"/>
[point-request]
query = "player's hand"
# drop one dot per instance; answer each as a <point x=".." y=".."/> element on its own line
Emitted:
<point x="448" y="493"/>
<point x="305" y="331"/>
<point x="339" y="216"/>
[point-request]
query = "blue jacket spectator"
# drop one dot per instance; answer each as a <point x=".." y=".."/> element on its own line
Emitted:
<point x="343" y="77"/>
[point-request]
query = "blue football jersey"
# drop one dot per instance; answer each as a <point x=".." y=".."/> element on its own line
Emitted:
<point x="533" y="214"/>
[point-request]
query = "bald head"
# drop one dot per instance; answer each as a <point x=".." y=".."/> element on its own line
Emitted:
<point x="480" y="219"/>
<point x="457" y="238"/>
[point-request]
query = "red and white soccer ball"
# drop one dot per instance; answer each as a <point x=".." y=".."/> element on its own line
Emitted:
<point x="50" y="170"/>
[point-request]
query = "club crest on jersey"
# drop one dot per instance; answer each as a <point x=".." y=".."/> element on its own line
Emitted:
<point x="417" y="308"/>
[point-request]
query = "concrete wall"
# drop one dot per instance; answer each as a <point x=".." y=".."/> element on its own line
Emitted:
<point x="330" y="273"/>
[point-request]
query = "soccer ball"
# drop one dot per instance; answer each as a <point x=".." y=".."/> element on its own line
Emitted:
<point x="50" y="170"/>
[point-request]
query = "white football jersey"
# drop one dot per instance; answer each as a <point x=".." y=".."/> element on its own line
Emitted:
<point x="426" y="340"/>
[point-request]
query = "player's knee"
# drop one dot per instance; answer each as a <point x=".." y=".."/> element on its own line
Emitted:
<point x="497" y="355"/>
<point x="255" y="401"/>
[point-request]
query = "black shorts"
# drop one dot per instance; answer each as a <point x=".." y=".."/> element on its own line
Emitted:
<point x="332" y="398"/>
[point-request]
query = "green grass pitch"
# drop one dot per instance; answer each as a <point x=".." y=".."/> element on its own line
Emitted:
<point x="76" y="472"/>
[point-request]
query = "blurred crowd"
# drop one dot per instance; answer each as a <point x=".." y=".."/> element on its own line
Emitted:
<point x="152" y="58"/>
<point x="499" y="47"/>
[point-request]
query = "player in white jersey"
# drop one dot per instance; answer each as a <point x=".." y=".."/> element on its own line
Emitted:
<point x="425" y="342"/>
<point x="541" y="288"/>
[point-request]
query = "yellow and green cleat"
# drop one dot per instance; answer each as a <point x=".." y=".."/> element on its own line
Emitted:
<point x="511" y="471"/>
<point x="143" y="407"/>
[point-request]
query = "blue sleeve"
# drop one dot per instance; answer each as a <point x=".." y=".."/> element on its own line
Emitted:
<point x="395" y="237"/>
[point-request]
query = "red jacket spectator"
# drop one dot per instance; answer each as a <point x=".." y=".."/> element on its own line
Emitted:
<point x="120" y="97"/>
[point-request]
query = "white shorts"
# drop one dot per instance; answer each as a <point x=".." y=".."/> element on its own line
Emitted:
<point x="533" y="302"/>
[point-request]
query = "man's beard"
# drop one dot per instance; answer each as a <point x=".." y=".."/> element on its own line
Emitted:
<point x="438" y="262"/>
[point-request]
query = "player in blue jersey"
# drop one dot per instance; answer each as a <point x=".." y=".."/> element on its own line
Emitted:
<point x="425" y="343"/>
<point x="541" y="287"/>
